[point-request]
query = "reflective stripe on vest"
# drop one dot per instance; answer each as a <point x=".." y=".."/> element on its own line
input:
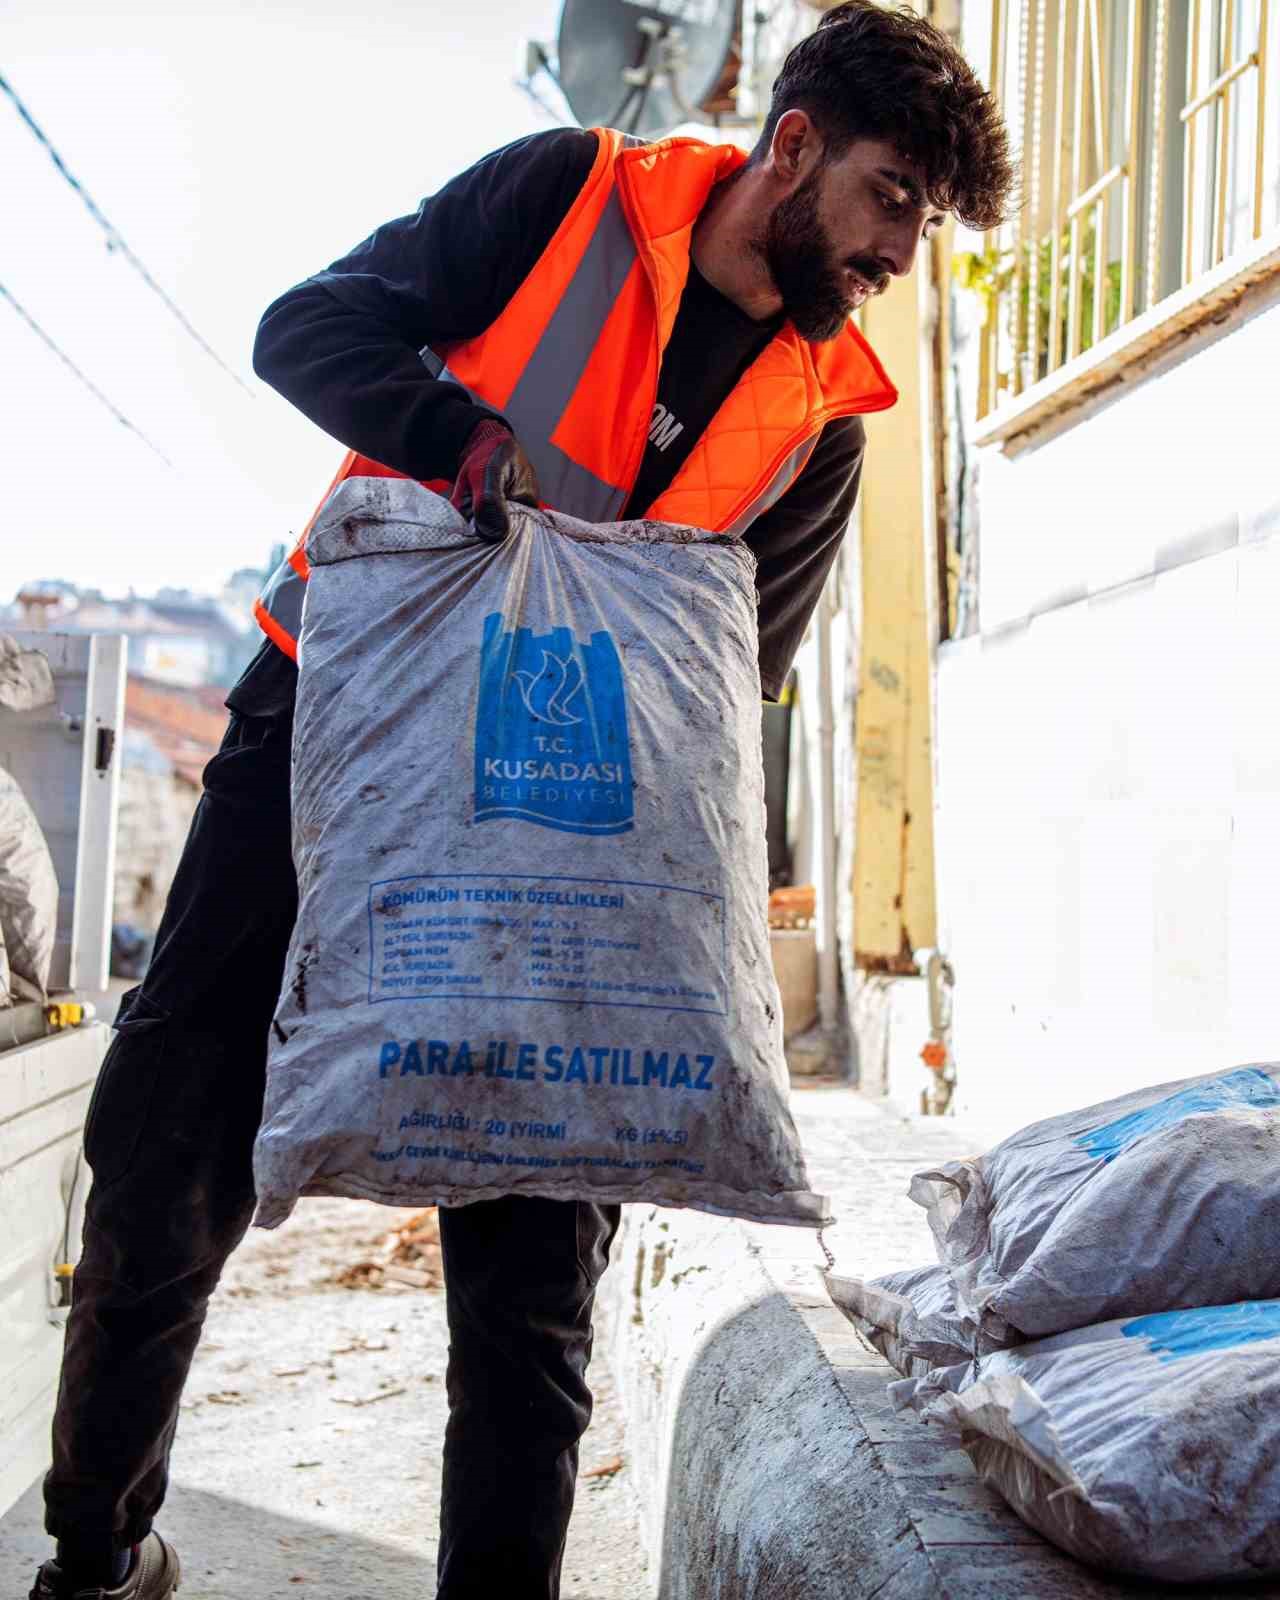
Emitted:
<point x="555" y="369"/>
<point x="774" y="490"/>
<point x="279" y="608"/>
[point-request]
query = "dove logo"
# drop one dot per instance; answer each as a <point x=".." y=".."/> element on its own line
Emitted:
<point x="549" y="692"/>
<point x="551" y="741"/>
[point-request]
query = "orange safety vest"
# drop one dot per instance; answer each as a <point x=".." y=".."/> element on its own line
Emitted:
<point x="572" y="364"/>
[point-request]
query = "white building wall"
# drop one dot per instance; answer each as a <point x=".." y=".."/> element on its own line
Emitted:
<point x="1109" y="747"/>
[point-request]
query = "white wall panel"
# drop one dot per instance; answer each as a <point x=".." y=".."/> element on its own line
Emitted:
<point x="1189" y="456"/>
<point x="1109" y="838"/>
<point x="1109" y="750"/>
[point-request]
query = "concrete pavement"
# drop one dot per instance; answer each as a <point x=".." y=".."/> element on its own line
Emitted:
<point x="308" y="1454"/>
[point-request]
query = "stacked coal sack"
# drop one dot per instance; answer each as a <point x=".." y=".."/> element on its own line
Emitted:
<point x="1102" y="1330"/>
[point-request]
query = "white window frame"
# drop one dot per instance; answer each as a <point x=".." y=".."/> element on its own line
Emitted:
<point x="1165" y="196"/>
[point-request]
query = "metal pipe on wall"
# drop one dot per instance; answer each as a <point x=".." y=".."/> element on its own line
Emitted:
<point x="828" y="961"/>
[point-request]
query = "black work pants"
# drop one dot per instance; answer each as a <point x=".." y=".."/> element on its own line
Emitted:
<point x="170" y="1141"/>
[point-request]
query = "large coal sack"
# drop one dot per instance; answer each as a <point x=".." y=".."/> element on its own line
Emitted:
<point x="531" y="953"/>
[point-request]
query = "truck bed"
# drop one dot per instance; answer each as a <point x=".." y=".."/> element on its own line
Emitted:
<point x="44" y="1096"/>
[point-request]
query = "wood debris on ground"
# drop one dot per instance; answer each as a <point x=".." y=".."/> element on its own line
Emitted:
<point x="368" y="1399"/>
<point x="409" y="1255"/>
<point x="359" y="1347"/>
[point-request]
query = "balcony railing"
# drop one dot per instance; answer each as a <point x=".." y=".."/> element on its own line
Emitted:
<point x="1148" y="142"/>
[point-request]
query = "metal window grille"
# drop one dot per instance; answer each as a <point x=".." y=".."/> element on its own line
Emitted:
<point x="1147" y="131"/>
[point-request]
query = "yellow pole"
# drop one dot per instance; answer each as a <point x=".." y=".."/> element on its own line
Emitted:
<point x="893" y="867"/>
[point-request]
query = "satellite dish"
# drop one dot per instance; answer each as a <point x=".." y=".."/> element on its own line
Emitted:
<point x="644" y="66"/>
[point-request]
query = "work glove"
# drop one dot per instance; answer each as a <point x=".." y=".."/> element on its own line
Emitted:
<point x="493" y="470"/>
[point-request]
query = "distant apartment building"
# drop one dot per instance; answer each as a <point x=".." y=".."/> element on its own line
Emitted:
<point x="175" y="637"/>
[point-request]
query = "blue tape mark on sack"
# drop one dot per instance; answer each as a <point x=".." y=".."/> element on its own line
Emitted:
<point x="552" y="744"/>
<point x="1250" y="1086"/>
<point x="1174" y="1335"/>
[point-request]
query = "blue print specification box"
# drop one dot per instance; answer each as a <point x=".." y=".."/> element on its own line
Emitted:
<point x="472" y="936"/>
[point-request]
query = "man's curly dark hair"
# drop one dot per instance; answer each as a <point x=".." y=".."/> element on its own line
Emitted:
<point x="882" y="72"/>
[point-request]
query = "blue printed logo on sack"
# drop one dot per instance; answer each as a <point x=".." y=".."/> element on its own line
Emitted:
<point x="552" y="745"/>
<point x="1174" y="1335"/>
<point x="1247" y="1087"/>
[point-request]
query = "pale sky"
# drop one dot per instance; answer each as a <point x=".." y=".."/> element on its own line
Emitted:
<point x="237" y="149"/>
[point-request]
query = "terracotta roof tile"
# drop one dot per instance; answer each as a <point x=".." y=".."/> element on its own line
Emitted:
<point x="184" y="724"/>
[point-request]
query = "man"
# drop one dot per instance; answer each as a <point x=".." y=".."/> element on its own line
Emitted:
<point x="614" y="329"/>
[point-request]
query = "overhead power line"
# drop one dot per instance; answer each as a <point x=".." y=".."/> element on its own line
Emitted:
<point x="115" y="240"/>
<point x="88" y="382"/>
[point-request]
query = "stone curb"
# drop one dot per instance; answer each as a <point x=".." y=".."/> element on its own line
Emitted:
<point x="768" y="1459"/>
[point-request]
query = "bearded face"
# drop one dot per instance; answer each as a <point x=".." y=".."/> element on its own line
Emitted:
<point x="820" y="288"/>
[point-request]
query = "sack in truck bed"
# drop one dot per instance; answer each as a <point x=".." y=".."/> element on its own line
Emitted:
<point x="28" y="898"/>
<point x="531" y="953"/>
